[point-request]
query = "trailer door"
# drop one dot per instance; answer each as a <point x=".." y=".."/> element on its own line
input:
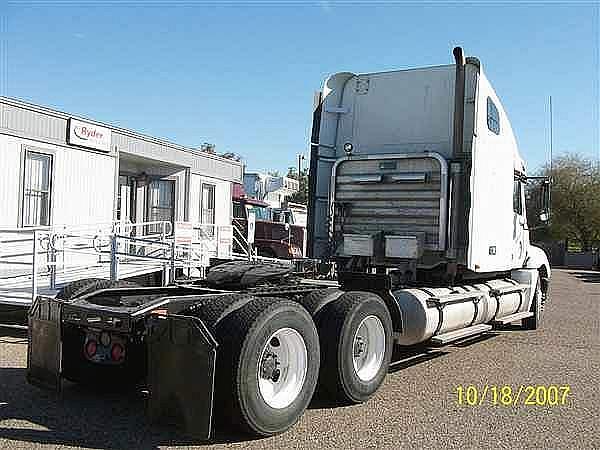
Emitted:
<point x="160" y="202"/>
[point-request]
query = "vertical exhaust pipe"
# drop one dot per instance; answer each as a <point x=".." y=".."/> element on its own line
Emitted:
<point x="456" y="166"/>
<point x="459" y="102"/>
<point x="313" y="173"/>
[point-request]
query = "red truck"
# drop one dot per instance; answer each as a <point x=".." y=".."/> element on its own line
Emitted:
<point x="273" y="239"/>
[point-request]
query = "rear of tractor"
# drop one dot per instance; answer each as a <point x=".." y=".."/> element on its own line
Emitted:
<point x="252" y="358"/>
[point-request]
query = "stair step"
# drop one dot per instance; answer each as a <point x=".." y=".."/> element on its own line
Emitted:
<point x="512" y="318"/>
<point x="451" y="336"/>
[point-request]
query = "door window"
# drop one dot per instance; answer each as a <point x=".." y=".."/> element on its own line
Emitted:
<point x="517" y="198"/>
<point x="161" y="202"/>
<point x="126" y="199"/>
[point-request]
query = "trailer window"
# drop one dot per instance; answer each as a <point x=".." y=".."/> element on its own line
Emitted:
<point x="208" y="204"/>
<point x="36" y="189"/>
<point x="517" y="203"/>
<point x="238" y="211"/>
<point x="493" y="119"/>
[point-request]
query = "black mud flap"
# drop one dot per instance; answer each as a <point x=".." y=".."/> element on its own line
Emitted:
<point x="44" y="353"/>
<point x="181" y="371"/>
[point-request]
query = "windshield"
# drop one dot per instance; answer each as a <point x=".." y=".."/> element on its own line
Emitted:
<point x="260" y="213"/>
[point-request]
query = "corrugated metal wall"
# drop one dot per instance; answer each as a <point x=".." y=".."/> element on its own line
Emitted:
<point x="39" y="123"/>
<point x="82" y="187"/>
<point x="32" y="123"/>
<point x="10" y="171"/>
<point x="222" y="199"/>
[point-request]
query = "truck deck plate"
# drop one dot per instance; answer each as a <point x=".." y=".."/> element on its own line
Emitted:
<point x="513" y="318"/>
<point x="446" y="338"/>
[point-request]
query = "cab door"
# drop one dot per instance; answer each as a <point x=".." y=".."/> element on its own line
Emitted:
<point x="520" y="232"/>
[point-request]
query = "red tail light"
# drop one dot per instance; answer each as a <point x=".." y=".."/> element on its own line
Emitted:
<point x="117" y="353"/>
<point x="90" y="348"/>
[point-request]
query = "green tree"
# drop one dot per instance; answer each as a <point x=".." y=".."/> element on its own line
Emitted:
<point x="575" y="201"/>
<point x="301" y="196"/>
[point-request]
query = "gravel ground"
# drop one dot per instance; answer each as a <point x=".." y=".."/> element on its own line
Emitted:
<point x="415" y="408"/>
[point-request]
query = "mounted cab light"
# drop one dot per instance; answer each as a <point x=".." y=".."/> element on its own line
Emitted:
<point x="90" y="348"/>
<point x="160" y="312"/>
<point x="117" y="352"/>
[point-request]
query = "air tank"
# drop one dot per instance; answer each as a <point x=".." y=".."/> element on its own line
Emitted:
<point x="422" y="318"/>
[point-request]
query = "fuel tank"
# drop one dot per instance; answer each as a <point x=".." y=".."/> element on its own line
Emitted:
<point x="427" y="312"/>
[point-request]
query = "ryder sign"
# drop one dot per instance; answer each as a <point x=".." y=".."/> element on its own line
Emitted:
<point x="89" y="135"/>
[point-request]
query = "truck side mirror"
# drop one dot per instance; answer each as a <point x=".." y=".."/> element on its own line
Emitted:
<point x="545" y="206"/>
<point x="540" y="198"/>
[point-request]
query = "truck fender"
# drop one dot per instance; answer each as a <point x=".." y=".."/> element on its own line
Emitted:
<point x="536" y="266"/>
<point x="537" y="259"/>
<point x="528" y="277"/>
<point x="317" y="300"/>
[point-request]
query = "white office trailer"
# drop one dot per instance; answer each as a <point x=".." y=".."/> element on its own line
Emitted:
<point x="77" y="183"/>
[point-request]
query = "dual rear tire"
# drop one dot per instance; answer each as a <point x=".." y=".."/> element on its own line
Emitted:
<point x="273" y="353"/>
<point x="356" y="346"/>
<point x="267" y="366"/>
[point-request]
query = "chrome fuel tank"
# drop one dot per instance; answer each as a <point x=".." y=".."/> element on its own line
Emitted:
<point x="427" y="312"/>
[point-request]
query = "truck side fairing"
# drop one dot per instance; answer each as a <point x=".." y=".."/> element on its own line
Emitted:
<point x="498" y="238"/>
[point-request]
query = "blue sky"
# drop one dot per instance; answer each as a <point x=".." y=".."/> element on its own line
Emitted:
<point x="243" y="76"/>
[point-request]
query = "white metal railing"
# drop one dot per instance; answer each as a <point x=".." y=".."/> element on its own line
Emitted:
<point x="34" y="255"/>
<point x="241" y="247"/>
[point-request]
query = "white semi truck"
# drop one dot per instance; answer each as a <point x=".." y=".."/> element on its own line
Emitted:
<point x="416" y="196"/>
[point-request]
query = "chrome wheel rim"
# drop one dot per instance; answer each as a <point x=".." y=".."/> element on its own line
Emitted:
<point x="282" y="368"/>
<point x="368" y="348"/>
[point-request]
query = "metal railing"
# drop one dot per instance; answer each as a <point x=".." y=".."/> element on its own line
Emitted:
<point x="33" y="255"/>
<point x="241" y="247"/>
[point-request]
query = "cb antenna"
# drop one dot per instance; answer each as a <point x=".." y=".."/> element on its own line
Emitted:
<point x="551" y="139"/>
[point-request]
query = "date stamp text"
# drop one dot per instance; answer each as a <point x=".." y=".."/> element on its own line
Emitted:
<point x="508" y="395"/>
